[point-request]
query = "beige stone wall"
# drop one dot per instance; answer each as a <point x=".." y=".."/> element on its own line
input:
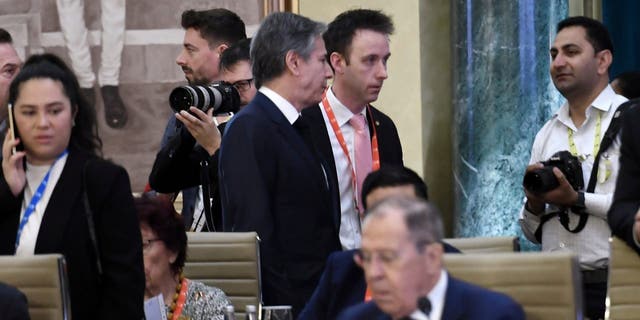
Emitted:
<point x="417" y="94"/>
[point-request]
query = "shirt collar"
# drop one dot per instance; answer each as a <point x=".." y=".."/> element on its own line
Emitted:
<point x="342" y="113"/>
<point x="436" y="297"/>
<point x="287" y="109"/>
<point x="603" y="103"/>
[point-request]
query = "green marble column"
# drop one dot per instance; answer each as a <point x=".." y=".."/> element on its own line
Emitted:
<point x="502" y="96"/>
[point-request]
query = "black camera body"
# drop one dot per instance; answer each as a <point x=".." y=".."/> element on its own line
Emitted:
<point x="543" y="180"/>
<point x="222" y="97"/>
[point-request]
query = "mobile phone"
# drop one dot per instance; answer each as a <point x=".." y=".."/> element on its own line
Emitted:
<point x="14" y="130"/>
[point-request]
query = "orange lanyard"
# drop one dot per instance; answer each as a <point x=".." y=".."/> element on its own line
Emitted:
<point x="182" y="298"/>
<point x="367" y="295"/>
<point x="375" y="154"/>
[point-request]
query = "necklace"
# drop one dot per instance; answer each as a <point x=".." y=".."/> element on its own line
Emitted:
<point x="179" y="292"/>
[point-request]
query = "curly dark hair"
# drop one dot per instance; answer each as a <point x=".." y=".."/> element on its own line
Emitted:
<point x="84" y="135"/>
<point x="159" y="214"/>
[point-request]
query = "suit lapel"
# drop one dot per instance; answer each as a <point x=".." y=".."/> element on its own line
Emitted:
<point x="454" y="305"/>
<point x="60" y="206"/>
<point x="292" y="137"/>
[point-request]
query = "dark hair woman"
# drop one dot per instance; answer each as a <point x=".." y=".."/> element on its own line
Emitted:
<point x="45" y="189"/>
<point x="164" y="245"/>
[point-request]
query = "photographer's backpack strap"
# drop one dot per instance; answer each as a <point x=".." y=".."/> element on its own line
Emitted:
<point x="607" y="140"/>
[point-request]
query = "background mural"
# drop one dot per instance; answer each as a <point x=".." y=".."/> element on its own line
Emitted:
<point x="152" y="40"/>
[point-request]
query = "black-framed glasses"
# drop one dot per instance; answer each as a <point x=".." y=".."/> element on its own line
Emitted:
<point x="146" y="244"/>
<point x="242" y="85"/>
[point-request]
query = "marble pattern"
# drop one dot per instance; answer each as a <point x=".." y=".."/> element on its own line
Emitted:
<point x="502" y="96"/>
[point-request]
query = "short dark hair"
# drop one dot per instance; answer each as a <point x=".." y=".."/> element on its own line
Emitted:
<point x="84" y="134"/>
<point x="629" y="84"/>
<point x="279" y="33"/>
<point x="5" y="36"/>
<point x="342" y="29"/>
<point x="596" y="32"/>
<point x="159" y="214"/>
<point x="235" y="53"/>
<point x="216" y="25"/>
<point x="393" y="176"/>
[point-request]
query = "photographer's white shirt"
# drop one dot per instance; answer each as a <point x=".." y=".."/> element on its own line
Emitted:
<point x="591" y="244"/>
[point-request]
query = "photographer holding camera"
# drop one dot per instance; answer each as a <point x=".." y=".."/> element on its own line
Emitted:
<point x="189" y="145"/>
<point x="570" y="181"/>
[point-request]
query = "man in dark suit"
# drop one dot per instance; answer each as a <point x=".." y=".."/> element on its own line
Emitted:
<point x="402" y="259"/>
<point x="358" y="46"/>
<point x="272" y="181"/>
<point x="342" y="283"/>
<point x="624" y="215"/>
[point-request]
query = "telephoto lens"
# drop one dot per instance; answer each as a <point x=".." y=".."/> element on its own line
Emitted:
<point x="222" y="97"/>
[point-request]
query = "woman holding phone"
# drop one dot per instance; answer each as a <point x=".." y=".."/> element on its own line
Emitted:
<point x="59" y="196"/>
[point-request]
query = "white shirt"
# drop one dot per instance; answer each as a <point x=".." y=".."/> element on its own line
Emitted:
<point x="350" y="232"/>
<point x="591" y="244"/>
<point x="288" y="110"/>
<point x="34" y="175"/>
<point x="436" y="297"/>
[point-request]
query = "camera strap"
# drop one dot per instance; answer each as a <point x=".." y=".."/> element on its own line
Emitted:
<point x="608" y="139"/>
<point x="206" y="195"/>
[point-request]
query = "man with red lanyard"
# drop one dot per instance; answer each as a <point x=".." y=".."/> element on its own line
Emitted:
<point x="354" y="137"/>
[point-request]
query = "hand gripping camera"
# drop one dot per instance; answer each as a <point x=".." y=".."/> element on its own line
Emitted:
<point x="543" y="180"/>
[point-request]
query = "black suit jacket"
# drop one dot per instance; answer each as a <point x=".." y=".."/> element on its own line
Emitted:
<point x="342" y="285"/>
<point x="179" y="166"/>
<point x="626" y="199"/>
<point x="388" y="142"/>
<point x="119" y="293"/>
<point x="463" y="301"/>
<point x="13" y="303"/>
<point x="272" y="183"/>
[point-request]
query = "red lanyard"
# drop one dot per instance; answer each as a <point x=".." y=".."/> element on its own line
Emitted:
<point x="375" y="154"/>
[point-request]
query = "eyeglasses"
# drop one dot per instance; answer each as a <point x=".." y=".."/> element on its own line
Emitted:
<point x="243" y="85"/>
<point x="146" y="244"/>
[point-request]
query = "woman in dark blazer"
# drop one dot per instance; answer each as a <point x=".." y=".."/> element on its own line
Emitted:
<point x="44" y="189"/>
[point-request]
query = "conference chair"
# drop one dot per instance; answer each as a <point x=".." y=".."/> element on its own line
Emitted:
<point x="547" y="285"/>
<point x="623" y="295"/>
<point x="485" y="244"/>
<point x="43" y="279"/>
<point x="229" y="261"/>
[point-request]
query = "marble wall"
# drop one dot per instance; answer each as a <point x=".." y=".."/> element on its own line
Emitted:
<point x="502" y="96"/>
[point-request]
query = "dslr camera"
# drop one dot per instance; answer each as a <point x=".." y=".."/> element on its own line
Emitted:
<point x="543" y="180"/>
<point x="221" y="96"/>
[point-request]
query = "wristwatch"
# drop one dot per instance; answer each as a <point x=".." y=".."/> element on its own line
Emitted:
<point x="578" y="206"/>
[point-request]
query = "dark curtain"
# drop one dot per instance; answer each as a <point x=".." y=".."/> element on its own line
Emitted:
<point x="622" y="18"/>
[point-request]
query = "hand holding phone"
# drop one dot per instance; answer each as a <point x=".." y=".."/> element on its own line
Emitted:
<point x="14" y="130"/>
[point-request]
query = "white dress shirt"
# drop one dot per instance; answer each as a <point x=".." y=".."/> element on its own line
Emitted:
<point x="591" y="244"/>
<point x="350" y="232"/>
<point x="288" y="110"/>
<point x="34" y="175"/>
<point x="436" y="297"/>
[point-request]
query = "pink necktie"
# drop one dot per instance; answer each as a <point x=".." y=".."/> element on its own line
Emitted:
<point x="362" y="151"/>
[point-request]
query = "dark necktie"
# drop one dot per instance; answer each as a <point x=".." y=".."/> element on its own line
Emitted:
<point x="424" y="305"/>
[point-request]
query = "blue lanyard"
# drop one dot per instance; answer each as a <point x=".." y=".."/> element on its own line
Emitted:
<point x="35" y="199"/>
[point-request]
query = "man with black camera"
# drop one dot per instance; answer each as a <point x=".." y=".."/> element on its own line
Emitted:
<point x="568" y="193"/>
<point x="188" y="146"/>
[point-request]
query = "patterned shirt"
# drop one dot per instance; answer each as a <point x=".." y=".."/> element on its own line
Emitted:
<point x="203" y="302"/>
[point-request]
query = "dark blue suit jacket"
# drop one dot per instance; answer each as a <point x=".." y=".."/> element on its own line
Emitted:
<point x="342" y="285"/>
<point x="274" y="183"/>
<point x="462" y="301"/>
